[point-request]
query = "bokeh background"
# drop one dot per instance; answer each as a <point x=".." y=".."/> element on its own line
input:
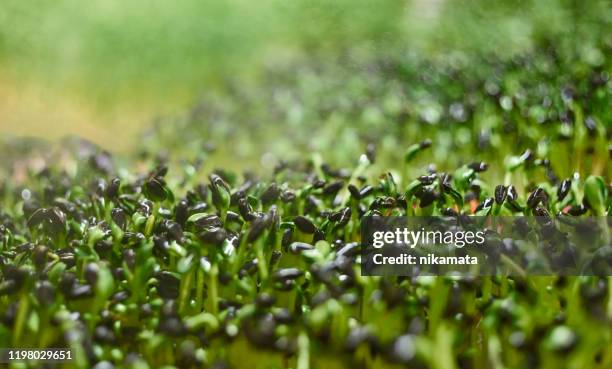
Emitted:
<point x="518" y="90"/>
<point x="106" y="69"/>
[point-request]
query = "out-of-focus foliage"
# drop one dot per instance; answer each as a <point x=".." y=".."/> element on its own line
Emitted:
<point x="230" y="235"/>
<point x="117" y="49"/>
<point x="547" y="101"/>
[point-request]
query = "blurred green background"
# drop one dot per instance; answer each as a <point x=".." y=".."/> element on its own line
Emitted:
<point x="93" y="68"/>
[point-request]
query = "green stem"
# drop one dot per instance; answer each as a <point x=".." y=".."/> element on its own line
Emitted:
<point x="303" y="360"/>
<point x="199" y="288"/>
<point x="261" y="263"/>
<point x="213" y="298"/>
<point x="149" y="225"/>
<point x="24" y="306"/>
<point x="185" y="291"/>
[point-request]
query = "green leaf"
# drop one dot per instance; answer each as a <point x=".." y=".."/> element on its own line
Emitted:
<point x="463" y="176"/>
<point x="56" y="272"/>
<point x="515" y="162"/>
<point x="596" y="194"/>
<point x="104" y="284"/>
<point x="411" y="152"/>
<point x="413" y="187"/>
<point x="195" y="217"/>
<point x="454" y="194"/>
<point x="415" y="149"/>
